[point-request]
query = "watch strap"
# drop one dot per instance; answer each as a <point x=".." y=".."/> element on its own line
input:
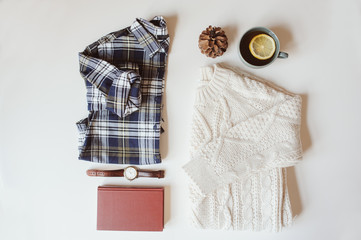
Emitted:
<point x="151" y="173"/>
<point x="105" y="173"/>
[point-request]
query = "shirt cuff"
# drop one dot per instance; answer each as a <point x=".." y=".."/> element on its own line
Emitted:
<point x="98" y="72"/>
<point x="124" y="96"/>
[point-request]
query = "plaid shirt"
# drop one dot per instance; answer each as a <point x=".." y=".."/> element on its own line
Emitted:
<point x="124" y="77"/>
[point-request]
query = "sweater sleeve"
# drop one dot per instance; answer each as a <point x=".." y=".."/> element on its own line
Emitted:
<point x="269" y="139"/>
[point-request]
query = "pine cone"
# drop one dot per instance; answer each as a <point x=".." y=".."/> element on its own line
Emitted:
<point x="213" y="42"/>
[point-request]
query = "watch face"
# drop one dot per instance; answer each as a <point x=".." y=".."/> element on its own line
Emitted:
<point x="130" y="173"/>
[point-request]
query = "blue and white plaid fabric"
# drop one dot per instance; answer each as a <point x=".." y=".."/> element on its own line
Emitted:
<point x="124" y="77"/>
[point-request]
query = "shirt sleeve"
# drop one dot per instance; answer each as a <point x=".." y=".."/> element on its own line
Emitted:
<point x="120" y="87"/>
<point x="124" y="96"/>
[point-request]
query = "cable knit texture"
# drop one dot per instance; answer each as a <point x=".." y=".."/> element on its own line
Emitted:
<point x="244" y="133"/>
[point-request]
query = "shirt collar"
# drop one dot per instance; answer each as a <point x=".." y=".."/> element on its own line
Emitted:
<point x="153" y="38"/>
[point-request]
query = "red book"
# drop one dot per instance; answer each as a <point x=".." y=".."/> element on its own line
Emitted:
<point x="130" y="209"/>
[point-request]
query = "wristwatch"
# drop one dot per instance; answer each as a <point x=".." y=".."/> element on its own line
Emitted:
<point x="129" y="173"/>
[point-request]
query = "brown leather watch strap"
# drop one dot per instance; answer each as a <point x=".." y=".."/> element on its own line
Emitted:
<point x="105" y="173"/>
<point x="151" y="173"/>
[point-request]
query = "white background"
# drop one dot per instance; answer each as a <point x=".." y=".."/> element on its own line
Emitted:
<point x="44" y="191"/>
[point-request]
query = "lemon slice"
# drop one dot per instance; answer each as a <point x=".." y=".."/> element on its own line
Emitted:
<point x="262" y="46"/>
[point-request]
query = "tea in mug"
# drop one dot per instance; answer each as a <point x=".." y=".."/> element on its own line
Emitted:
<point x="257" y="48"/>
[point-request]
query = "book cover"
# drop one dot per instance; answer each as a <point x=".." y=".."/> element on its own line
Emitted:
<point x="130" y="208"/>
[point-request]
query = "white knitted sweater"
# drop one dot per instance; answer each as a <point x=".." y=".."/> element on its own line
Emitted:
<point x="244" y="134"/>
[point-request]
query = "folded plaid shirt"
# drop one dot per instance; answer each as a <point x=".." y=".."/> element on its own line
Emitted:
<point x="124" y="77"/>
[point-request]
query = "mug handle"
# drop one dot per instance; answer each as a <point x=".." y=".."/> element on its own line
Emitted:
<point x="282" y="55"/>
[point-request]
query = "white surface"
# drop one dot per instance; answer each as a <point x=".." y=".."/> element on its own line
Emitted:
<point x="44" y="192"/>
